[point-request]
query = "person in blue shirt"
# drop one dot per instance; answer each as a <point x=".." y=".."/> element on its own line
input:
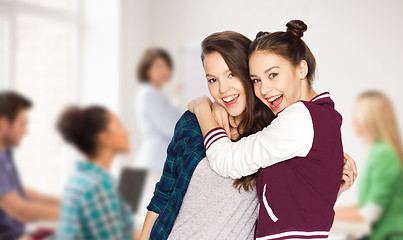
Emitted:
<point x="91" y="206"/>
<point x="18" y="204"/>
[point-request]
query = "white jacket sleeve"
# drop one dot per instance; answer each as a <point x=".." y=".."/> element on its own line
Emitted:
<point x="289" y="135"/>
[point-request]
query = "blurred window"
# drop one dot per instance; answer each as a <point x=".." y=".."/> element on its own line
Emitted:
<point x="38" y="57"/>
<point x="2" y="52"/>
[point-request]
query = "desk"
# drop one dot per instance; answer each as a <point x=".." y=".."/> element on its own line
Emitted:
<point x="31" y="227"/>
<point x="349" y="230"/>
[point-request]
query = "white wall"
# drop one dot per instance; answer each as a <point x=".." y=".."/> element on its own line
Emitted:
<point x="357" y="44"/>
<point x="99" y="56"/>
<point x="134" y="32"/>
<point x="114" y="35"/>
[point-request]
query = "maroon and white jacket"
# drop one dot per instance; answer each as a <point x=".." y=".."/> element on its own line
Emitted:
<point x="300" y="158"/>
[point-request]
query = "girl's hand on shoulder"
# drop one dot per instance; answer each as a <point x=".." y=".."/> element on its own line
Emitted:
<point x="350" y="173"/>
<point x="198" y="103"/>
<point x="234" y="134"/>
<point x="222" y="117"/>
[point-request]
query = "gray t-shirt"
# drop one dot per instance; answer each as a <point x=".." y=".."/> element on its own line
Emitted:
<point x="213" y="209"/>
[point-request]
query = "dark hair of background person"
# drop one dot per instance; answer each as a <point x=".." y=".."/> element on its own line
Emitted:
<point x="288" y="45"/>
<point x="81" y="127"/>
<point x="11" y="103"/>
<point x="233" y="47"/>
<point x="147" y="61"/>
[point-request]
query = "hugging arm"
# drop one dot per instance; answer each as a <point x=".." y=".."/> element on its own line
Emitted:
<point x="227" y="122"/>
<point x="279" y="141"/>
<point x="289" y="135"/>
<point x="350" y="174"/>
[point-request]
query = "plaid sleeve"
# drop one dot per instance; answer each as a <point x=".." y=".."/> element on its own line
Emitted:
<point x="101" y="214"/>
<point x="184" y="153"/>
<point x="165" y="186"/>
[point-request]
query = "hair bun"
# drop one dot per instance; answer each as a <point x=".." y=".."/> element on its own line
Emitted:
<point x="261" y="33"/>
<point x="296" y="27"/>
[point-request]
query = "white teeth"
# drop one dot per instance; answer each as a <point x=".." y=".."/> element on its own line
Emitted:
<point x="274" y="98"/>
<point x="230" y="98"/>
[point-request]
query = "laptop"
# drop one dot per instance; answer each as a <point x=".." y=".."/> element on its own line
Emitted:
<point x="131" y="185"/>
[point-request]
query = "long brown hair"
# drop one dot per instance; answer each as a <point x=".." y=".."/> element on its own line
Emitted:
<point x="233" y="47"/>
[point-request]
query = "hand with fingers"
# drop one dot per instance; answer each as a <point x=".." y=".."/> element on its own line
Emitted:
<point x="222" y="117"/>
<point x="198" y="102"/>
<point x="350" y="174"/>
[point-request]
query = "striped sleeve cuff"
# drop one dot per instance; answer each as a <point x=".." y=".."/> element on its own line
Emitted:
<point x="213" y="135"/>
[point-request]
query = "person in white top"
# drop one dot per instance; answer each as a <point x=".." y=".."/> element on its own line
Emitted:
<point x="156" y="114"/>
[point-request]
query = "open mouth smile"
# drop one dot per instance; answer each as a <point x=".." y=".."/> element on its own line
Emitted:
<point x="275" y="101"/>
<point x="231" y="100"/>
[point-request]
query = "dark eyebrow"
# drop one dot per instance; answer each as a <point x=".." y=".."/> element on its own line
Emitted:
<point x="210" y="75"/>
<point x="266" y="71"/>
<point x="269" y="69"/>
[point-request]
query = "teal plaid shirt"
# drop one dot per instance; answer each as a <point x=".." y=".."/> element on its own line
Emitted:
<point x="91" y="207"/>
<point x="183" y="155"/>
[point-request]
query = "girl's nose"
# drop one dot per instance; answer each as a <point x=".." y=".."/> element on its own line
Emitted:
<point x="266" y="87"/>
<point x="224" y="86"/>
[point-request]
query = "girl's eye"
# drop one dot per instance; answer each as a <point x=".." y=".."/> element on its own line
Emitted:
<point x="211" y="80"/>
<point x="256" y="80"/>
<point x="230" y="75"/>
<point x="273" y="75"/>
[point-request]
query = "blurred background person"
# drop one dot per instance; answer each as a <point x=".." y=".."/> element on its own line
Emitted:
<point x="156" y="117"/>
<point x="18" y="204"/>
<point x="381" y="179"/>
<point x="156" y="114"/>
<point x="91" y="206"/>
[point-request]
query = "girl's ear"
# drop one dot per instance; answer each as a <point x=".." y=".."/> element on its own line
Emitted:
<point x="103" y="138"/>
<point x="4" y="124"/>
<point x="302" y="69"/>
